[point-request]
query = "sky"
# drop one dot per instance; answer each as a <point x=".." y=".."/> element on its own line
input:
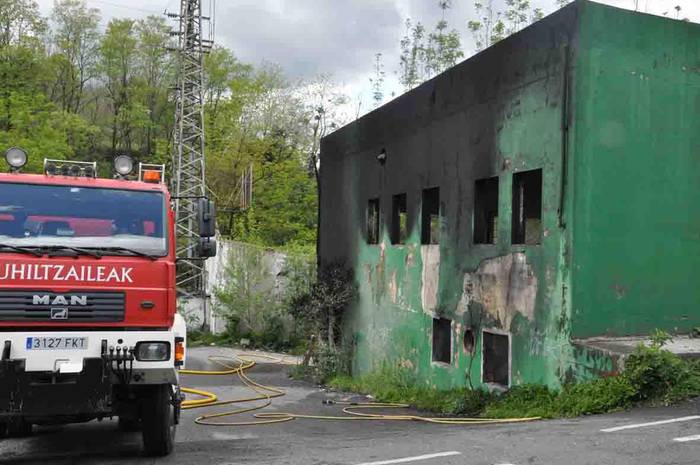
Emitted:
<point x="337" y="37"/>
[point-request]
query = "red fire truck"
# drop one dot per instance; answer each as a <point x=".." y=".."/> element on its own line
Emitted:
<point x="88" y="321"/>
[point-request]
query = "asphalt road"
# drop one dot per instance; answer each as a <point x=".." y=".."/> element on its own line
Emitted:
<point x="313" y="442"/>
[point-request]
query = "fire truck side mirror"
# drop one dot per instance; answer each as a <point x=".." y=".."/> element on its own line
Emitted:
<point x="207" y="247"/>
<point x="206" y="216"/>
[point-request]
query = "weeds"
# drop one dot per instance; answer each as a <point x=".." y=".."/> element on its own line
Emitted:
<point x="328" y="363"/>
<point x="652" y="375"/>
<point x="205" y="338"/>
<point x="394" y="385"/>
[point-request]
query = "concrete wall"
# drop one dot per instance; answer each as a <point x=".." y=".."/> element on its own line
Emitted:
<point x="494" y="115"/>
<point x="637" y="175"/>
<point x="603" y="101"/>
<point x="270" y="266"/>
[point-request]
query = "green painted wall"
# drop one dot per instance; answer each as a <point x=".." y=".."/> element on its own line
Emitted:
<point x="637" y="174"/>
<point x="603" y="102"/>
<point x="494" y="115"/>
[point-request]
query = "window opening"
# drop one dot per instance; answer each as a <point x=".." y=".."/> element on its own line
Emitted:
<point x="527" y="207"/>
<point x="399" y="220"/>
<point x="430" y="228"/>
<point x="442" y="340"/>
<point x="373" y="221"/>
<point x="486" y="211"/>
<point x="496" y="352"/>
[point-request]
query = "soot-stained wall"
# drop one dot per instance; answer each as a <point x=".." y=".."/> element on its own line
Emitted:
<point x="535" y="109"/>
<point x="494" y="115"/>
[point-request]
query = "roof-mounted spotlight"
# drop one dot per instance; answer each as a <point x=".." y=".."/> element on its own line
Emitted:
<point x="123" y="165"/>
<point x="89" y="172"/>
<point x="50" y="168"/>
<point x="74" y="168"/>
<point x="16" y="158"/>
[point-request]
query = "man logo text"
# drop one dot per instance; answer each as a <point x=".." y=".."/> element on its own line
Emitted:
<point x="75" y="300"/>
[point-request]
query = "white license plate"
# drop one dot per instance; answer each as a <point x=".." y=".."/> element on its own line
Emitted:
<point x="57" y="343"/>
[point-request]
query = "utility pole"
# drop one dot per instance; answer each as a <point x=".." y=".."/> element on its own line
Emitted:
<point x="188" y="164"/>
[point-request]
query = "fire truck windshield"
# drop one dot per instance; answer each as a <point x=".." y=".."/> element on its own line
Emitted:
<point x="109" y="220"/>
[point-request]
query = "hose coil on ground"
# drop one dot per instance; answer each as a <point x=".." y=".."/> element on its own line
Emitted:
<point x="239" y="364"/>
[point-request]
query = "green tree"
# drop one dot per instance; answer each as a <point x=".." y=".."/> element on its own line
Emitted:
<point x="75" y="40"/>
<point x="118" y="65"/>
<point x="494" y="25"/>
<point x="426" y="54"/>
<point x="284" y="200"/>
<point x="20" y="23"/>
<point x="27" y="116"/>
<point x="412" y="55"/>
<point x="520" y="13"/>
<point x="43" y="130"/>
<point x="21" y="57"/>
<point x="444" y="46"/>
<point x="489" y="28"/>
<point x="377" y="81"/>
<point x="222" y="71"/>
<point x="155" y="73"/>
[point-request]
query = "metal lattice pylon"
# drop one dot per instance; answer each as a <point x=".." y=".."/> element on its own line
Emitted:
<point x="188" y="182"/>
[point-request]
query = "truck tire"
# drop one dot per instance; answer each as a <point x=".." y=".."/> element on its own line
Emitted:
<point x="158" y="421"/>
<point x="129" y="425"/>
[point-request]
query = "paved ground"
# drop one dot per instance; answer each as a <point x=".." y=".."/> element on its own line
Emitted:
<point x="306" y="442"/>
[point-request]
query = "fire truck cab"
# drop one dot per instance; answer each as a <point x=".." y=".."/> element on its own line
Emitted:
<point x="88" y="321"/>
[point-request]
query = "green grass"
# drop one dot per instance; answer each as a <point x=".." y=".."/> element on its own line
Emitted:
<point x="397" y="386"/>
<point x="205" y="338"/>
<point x="651" y="376"/>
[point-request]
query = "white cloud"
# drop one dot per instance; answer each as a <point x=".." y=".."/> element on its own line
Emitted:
<point x="341" y="37"/>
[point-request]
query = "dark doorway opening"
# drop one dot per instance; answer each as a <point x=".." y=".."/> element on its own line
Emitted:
<point x="399" y="219"/>
<point x="430" y="224"/>
<point x="496" y="354"/>
<point x="373" y="221"/>
<point x="527" y="207"/>
<point x="442" y="340"/>
<point x="486" y="211"/>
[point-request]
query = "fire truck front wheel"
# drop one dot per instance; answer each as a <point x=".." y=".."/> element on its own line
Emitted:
<point x="158" y="421"/>
<point x="129" y="425"/>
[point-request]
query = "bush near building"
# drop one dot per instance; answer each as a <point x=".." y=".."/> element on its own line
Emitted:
<point x="652" y="376"/>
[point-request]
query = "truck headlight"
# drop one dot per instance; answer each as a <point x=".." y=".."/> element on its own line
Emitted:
<point x="152" y="351"/>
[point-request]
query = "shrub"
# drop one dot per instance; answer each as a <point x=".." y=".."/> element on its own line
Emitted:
<point x="523" y="401"/>
<point x="321" y="305"/>
<point x="398" y="386"/>
<point x="254" y="299"/>
<point x="330" y="362"/>
<point x="658" y="375"/>
<point x="651" y="375"/>
<point x="597" y="396"/>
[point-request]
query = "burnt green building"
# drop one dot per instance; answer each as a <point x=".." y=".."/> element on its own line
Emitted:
<point x="540" y="195"/>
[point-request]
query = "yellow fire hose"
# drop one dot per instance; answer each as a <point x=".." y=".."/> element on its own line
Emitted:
<point x="239" y="364"/>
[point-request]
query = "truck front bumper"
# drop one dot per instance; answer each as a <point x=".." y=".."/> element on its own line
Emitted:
<point x="35" y="383"/>
<point x="47" y="394"/>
